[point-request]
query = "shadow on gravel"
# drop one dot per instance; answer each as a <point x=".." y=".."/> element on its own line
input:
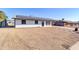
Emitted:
<point x="65" y="46"/>
<point x="77" y="32"/>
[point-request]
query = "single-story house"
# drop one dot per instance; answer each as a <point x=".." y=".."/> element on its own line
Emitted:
<point x="29" y="21"/>
<point x="66" y="23"/>
<point x="71" y="24"/>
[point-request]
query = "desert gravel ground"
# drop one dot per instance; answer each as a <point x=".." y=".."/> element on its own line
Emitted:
<point x="44" y="38"/>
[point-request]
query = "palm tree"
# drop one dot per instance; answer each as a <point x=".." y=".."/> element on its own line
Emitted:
<point x="3" y="17"/>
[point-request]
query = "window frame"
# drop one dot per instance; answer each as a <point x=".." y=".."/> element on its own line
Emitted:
<point x="36" y="21"/>
<point x="23" y="21"/>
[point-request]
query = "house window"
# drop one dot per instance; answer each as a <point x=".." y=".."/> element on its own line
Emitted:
<point x="36" y="21"/>
<point x="23" y="21"/>
<point x="47" y="22"/>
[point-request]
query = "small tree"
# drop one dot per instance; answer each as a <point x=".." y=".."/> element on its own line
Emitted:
<point x="3" y="17"/>
<point x="62" y="19"/>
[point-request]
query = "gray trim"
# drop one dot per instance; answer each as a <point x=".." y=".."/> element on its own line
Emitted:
<point x="31" y="18"/>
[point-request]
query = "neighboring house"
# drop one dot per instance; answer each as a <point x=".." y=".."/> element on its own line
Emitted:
<point x="29" y="21"/>
<point x="10" y="23"/>
<point x="71" y="24"/>
<point x="66" y="23"/>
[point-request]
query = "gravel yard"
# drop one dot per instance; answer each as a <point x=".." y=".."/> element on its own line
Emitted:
<point x="44" y="38"/>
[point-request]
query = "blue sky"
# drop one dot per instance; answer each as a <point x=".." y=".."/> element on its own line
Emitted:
<point x="55" y="13"/>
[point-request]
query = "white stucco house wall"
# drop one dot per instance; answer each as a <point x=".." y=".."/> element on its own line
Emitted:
<point x="29" y="21"/>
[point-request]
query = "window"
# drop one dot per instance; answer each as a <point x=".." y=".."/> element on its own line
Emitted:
<point x="36" y="21"/>
<point x="23" y="21"/>
<point x="47" y="22"/>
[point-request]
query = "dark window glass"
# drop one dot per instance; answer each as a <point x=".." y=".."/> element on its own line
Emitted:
<point x="23" y="21"/>
<point x="36" y="21"/>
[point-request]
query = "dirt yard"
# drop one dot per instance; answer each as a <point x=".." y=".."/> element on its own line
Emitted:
<point x="49" y="38"/>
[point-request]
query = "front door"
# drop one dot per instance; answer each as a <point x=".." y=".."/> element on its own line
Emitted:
<point x="43" y="23"/>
